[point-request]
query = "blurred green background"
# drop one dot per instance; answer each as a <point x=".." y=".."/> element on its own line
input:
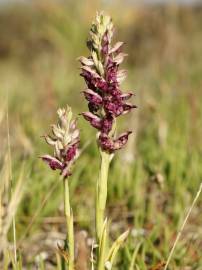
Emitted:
<point x="152" y="181"/>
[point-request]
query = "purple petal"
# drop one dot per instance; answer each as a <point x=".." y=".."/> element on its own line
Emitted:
<point x="54" y="163"/>
<point x="114" y="91"/>
<point x="109" y="145"/>
<point x="93" y="80"/>
<point x="107" y="124"/>
<point x="122" y="140"/>
<point x="106" y="143"/>
<point x="101" y="84"/>
<point x="71" y="152"/>
<point x="111" y="75"/>
<point x="92" y="96"/>
<point x="113" y="107"/>
<point x="94" y="120"/>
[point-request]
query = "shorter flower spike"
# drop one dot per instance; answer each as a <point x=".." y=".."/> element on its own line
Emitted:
<point x="64" y="140"/>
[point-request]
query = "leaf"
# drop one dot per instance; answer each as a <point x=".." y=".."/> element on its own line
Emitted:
<point x="115" y="248"/>
<point x="132" y="263"/>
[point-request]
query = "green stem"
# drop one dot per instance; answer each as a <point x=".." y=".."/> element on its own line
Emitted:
<point x="101" y="193"/>
<point x="101" y="198"/>
<point x="102" y="247"/>
<point x="69" y="224"/>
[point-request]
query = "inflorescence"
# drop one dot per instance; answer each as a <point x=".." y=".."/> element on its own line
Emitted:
<point x="65" y="140"/>
<point x="103" y="77"/>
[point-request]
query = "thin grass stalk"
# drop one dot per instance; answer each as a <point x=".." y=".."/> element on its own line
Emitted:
<point x="69" y="223"/>
<point x="14" y="201"/>
<point x="6" y="260"/>
<point x="132" y="264"/>
<point x="182" y="227"/>
<point x="58" y="262"/>
<point x="1" y="213"/>
<point x="11" y="183"/>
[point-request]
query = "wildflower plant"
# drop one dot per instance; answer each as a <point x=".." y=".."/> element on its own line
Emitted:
<point x="106" y="102"/>
<point x="65" y="141"/>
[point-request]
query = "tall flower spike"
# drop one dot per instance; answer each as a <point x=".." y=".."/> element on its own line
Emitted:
<point x="101" y="72"/>
<point x="64" y="140"/>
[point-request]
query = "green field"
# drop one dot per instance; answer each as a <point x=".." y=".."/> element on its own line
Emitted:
<point x="152" y="181"/>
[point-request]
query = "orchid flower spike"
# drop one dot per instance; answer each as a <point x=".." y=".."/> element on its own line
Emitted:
<point x="103" y="78"/>
<point x="65" y="141"/>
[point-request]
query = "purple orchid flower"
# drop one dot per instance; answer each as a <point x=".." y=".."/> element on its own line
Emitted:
<point x="103" y="78"/>
<point x="65" y="140"/>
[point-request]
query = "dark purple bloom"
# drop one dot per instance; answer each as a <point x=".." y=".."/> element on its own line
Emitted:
<point x="103" y="77"/>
